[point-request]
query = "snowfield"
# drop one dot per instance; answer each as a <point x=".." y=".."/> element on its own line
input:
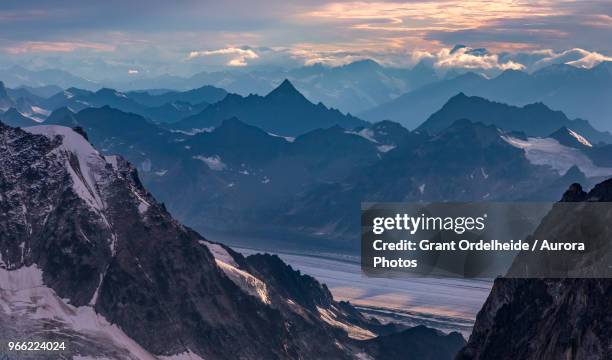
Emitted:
<point x="549" y="152"/>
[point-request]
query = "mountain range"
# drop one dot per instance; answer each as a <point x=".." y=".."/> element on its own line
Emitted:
<point x="533" y="119"/>
<point x="375" y="92"/>
<point x="283" y="111"/>
<point x="273" y="165"/>
<point x="165" y="107"/>
<point x="88" y="251"/>
<point x="578" y="92"/>
<point x="16" y="76"/>
<point x="353" y="87"/>
<point x="237" y="179"/>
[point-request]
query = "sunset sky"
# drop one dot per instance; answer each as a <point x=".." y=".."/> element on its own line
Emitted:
<point x="182" y="37"/>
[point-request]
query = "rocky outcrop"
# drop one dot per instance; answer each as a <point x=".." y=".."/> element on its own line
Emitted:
<point x="548" y="318"/>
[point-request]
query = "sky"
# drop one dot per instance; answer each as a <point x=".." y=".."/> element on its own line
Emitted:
<point x="113" y="38"/>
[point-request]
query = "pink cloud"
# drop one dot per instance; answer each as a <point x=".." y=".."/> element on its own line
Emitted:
<point x="56" y="46"/>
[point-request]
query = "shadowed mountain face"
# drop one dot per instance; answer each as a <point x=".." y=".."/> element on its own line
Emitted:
<point x="15" y="118"/>
<point x="5" y="100"/>
<point x="533" y="120"/>
<point x="239" y="180"/>
<point x="547" y="318"/>
<point x="284" y="111"/>
<point x="204" y="94"/>
<point x="579" y="93"/>
<point x="94" y="248"/>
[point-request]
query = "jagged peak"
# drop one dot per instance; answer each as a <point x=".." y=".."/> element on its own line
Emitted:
<point x="570" y="137"/>
<point x="12" y="112"/>
<point x="285" y="89"/>
<point x="234" y="126"/>
<point x="461" y="96"/>
<point x="574" y="194"/>
<point x="109" y="91"/>
<point x="62" y="111"/>
<point x="234" y="122"/>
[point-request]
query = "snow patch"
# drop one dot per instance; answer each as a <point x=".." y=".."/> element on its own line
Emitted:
<point x="353" y="331"/>
<point x="549" y="152"/>
<point x="366" y="133"/>
<point x="213" y="162"/>
<point x="193" y="131"/>
<point x="23" y="293"/>
<point x="247" y="282"/>
<point x="219" y="252"/>
<point x="581" y="139"/>
<point x="187" y="355"/>
<point x="288" y="138"/>
<point x="385" y="148"/>
<point x="112" y="159"/>
<point x="40" y="111"/>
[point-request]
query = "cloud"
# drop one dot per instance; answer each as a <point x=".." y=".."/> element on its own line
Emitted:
<point x="56" y="46"/>
<point x="430" y="15"/>
<point x="468" y="58"/>
<point x="237" y="56"/>
<point x="463" y="57"/>
<point x="576" y="57"/>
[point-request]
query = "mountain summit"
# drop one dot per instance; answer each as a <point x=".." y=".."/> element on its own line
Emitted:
<point x="283" y="111"/>
<point x="286" y="88"/>
<point x="534" y="119"/>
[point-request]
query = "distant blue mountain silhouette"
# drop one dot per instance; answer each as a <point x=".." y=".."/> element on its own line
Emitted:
<point x="533" y="119"/>
<point x="284" y="111"/>
<point x="579" y="93"/>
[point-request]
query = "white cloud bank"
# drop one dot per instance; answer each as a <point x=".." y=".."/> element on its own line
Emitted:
<point x="236" y="56"/>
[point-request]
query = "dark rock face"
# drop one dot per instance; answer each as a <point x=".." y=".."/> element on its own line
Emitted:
<point x="547" y="318"/>
<point x="574" y="194"/>
<point x="5" y="101"/>
<point x="106" y="247"/>
<point x="110" y="245"/>
<point x="425" y="344"/>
